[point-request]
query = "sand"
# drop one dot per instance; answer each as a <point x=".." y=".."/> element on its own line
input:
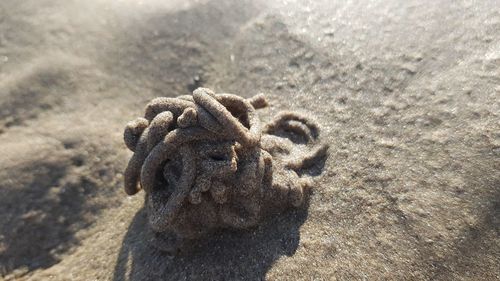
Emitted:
<point x="407" y="93"/>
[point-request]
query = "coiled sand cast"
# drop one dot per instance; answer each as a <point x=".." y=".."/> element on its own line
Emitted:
<point x="205" y="162"/>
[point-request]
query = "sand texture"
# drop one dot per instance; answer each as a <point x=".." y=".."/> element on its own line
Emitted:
<point x="407" y="94"/>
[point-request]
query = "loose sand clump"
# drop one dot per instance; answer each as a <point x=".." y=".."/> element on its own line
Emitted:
<point x="206" y="162"/>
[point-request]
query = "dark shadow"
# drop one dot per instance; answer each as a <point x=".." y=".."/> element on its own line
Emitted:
<point x="39" y="215"/>
<point x="224" y="255"/>
<point x="315" y="169"/>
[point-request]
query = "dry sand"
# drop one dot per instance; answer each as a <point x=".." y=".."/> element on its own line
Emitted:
<point x="407" y="92"/>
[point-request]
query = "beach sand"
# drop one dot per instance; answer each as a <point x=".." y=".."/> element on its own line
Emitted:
<point x="407" y="94"/>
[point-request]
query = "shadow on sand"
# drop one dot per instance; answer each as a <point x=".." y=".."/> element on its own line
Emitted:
<point x="40" y="215"/>
<point x="224" y="255"/>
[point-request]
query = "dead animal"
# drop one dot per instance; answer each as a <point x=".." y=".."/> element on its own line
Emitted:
<point x="205" y="162"/>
